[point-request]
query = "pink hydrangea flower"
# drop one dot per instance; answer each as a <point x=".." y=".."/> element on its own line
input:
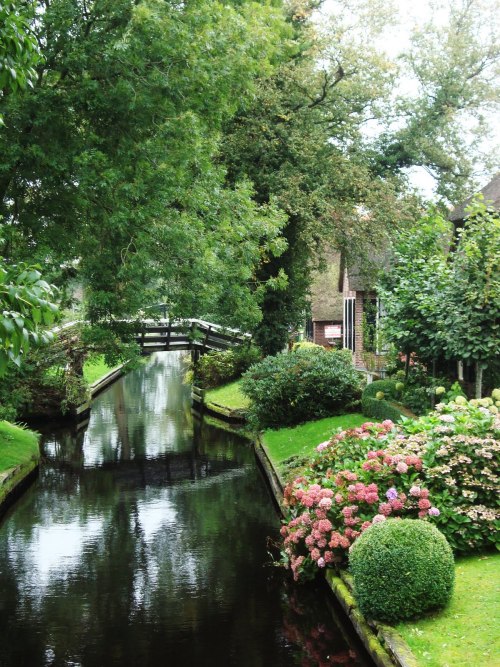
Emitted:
<point x="402" y="467"/>
<point x="433" y="511"/>
<point x="415" y="491"/>
<point x="378" y="518"/>
<point x="321" y="562"/>
<point x="385" y="509"/>
<point x="325" y="526"/>
<point x="424" y="503"/>
<point x="322" y="446"/>
<point x="325" y="503"/>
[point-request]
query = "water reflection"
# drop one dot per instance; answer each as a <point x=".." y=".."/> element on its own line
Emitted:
<point x="144" y="542"/>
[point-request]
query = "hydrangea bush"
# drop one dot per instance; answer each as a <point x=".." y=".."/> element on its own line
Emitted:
<point x="442" y="467"/>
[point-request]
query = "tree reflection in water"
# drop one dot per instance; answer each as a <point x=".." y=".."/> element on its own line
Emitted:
<point x="145" y="538"/>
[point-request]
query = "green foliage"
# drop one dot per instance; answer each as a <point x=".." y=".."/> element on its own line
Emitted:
<point x="459" y="445"/>
<point x="453" y="63"/>
<point x="381" y="409"/>
<point x="19" y="52"/>
<point x="305" y="384"/>
<point x="401" y="570"/>
<point x="411" y="290"/>
<point x="216" y="368"/>
<point x="110" y="164"/>
<point x="305" y="345"/>
<point x="26" y="307"/>
<point x="472" y="303"/>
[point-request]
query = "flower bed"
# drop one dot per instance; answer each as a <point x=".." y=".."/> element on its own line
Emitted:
<point x="441" y="468"/>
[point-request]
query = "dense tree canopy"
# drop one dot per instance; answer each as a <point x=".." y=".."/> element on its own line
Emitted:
<point x="203" y="154"/>
<point x="108" y="163"/>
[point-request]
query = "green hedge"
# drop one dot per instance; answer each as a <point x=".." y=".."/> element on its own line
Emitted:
<point x="401" y="569"/>
<point x="380" y="409"/>
<point x="300" y="386"/>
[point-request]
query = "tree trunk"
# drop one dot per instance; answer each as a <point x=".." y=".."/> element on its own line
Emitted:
<point x="407" y="365"/>
<point x="479" y="379"/>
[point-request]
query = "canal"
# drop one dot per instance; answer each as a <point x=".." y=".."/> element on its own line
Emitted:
<point x="145" y="541"/>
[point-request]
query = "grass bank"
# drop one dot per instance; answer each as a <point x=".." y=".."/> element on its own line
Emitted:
<point x="285" y="445"/>
<point x="229" y="395"/>
<point x="465" y="634"/>
<point x="95" y="368"/>
<point x="17" y="446"/>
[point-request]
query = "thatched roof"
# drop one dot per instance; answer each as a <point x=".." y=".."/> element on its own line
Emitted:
<point x="326" y="300"/>
<point x="491" y="194"/>
<point x="362" y="275"/>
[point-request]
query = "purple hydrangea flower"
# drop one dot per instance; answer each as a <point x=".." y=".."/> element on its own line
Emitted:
<point x="392" y="493"/>
<point x="433" y="511"/>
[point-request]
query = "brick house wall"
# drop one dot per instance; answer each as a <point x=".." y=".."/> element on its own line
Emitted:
<point x="319" y="332"/>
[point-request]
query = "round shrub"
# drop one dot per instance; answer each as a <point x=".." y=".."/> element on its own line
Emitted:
<point x="305" y="384"/>
<point x="401" y="568"/>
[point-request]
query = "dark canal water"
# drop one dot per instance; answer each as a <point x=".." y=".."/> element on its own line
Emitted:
<point x="144" y="542"/>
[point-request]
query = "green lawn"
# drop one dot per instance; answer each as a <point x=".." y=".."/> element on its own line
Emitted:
<point x="229" y="395"/>
<point x="301" y="440"/>
<point x="465" y="634"/>
<point x="94" y="369"/>
<point x="17" y="445"/>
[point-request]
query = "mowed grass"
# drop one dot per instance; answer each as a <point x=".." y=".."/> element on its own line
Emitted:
<point x="17" y="445"/>
<point x="465" y="634"/>
<point x="95" y="368"/>
<point x="229" y="395"/>
<point x="301" y="440"/>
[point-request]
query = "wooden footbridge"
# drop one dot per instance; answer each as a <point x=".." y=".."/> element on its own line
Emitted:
<point x="196" y="335"/>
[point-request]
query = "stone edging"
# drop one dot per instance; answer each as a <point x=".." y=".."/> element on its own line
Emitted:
<point x="82" y="412"/>
<point x="13" y="481"/>
<point x="383" y="643"/>
<point x="234" y="416"/>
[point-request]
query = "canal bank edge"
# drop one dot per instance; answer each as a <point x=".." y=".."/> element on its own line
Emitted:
<point x="82" y="412"/>
<point x="14" y="481"/>
<point x="382" y="642"/>
<point x="233" y="416"/>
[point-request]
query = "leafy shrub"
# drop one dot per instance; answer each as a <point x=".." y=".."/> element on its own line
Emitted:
<point x="306" y="345"/>
<point x="377" y="408"/>
<point x="459" y="444"/>
<point x="245" y="356"/>
<point x="305" y="384"/>
<point x="328" y="510"/>
<point x="387" y="387"/>
<point x="450" y="455"/>
<point x="216" y="368"/>
<point x="401" y="569"/>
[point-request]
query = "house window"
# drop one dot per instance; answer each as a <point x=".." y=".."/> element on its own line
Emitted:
<point x="349" y="329"/>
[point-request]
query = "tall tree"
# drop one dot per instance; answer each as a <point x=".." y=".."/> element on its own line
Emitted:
<point x="472" y="298"/>
<point x="108" y="164"/>
<point x="453" y="62"/>
<point x="302" y="145"/>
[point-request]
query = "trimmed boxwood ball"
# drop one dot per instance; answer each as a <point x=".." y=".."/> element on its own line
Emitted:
<point x="401" y="569"/>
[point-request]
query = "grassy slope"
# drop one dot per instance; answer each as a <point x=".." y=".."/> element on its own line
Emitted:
<point x="17" y="445"/>
<point x="465" y="634"/>
<point x="94" y="369"/>
<point x="301" y="440"/>
<point x="229" y="395"/>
